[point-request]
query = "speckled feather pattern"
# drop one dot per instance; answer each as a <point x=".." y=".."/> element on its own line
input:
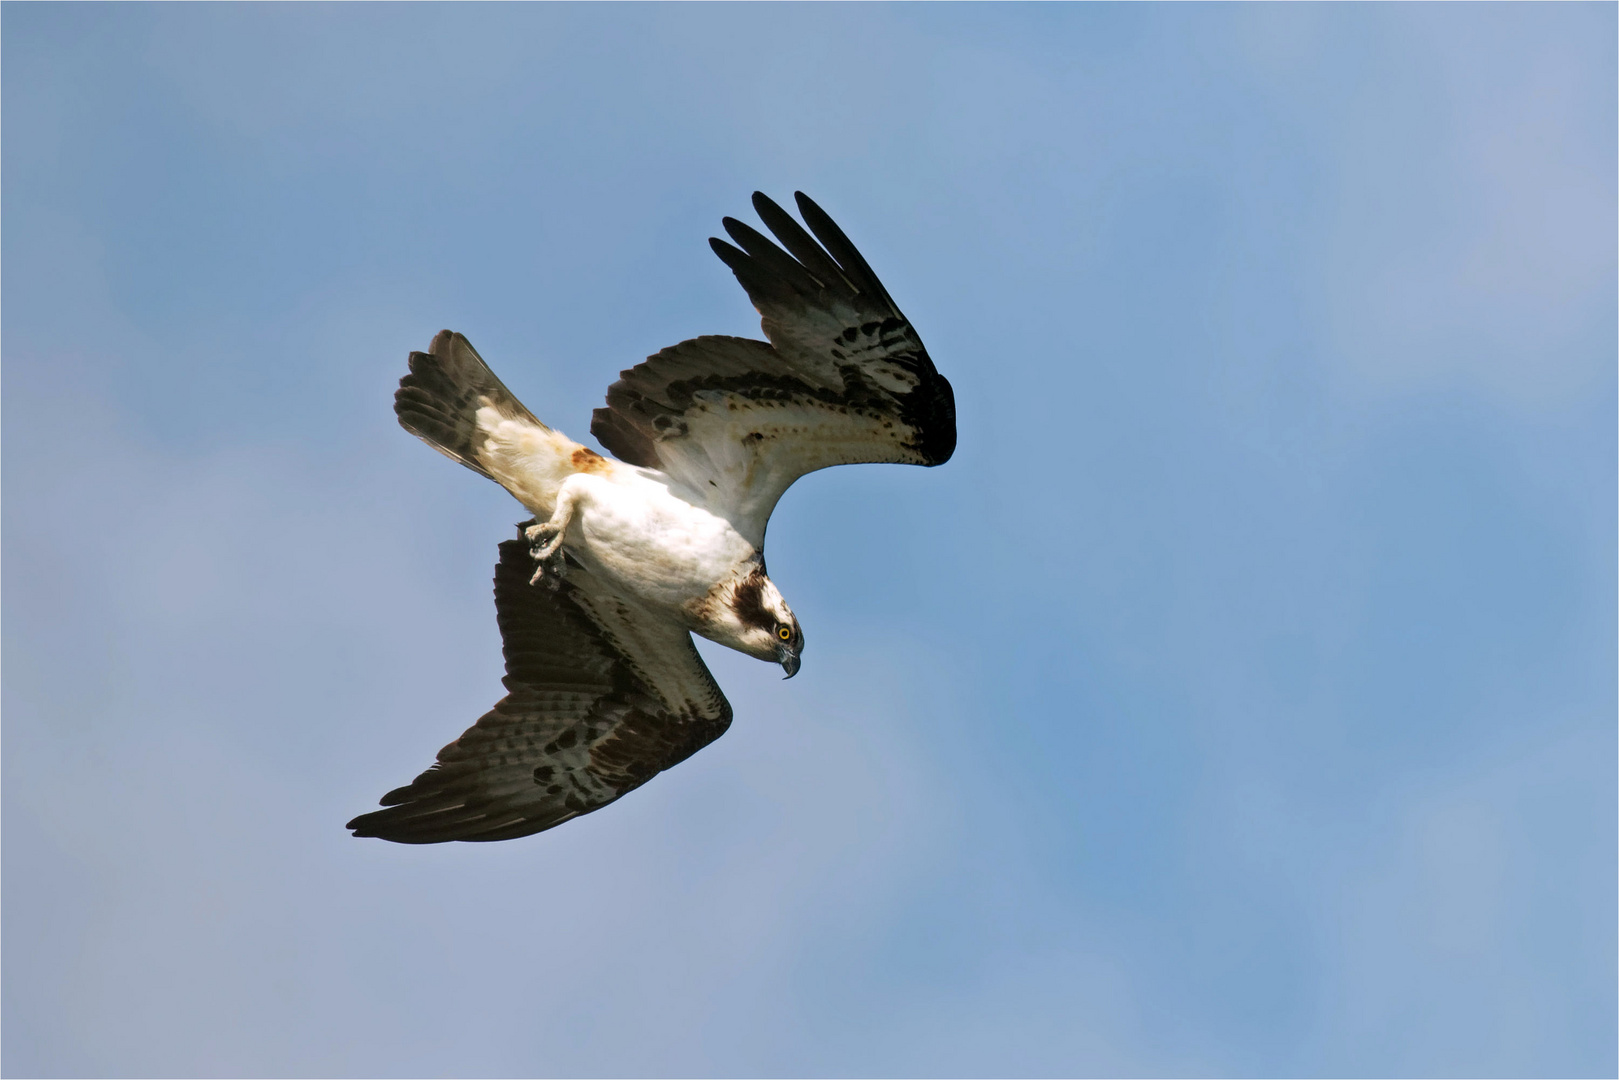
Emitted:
<point x="604" y="686"/>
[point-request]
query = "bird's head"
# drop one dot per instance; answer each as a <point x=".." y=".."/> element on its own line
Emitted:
<point x="757" y="621"/>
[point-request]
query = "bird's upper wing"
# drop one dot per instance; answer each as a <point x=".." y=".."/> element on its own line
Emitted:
<point x="844" y="379"/>
<point x="602" y="695"/>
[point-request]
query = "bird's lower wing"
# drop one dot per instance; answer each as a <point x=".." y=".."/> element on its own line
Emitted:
<point x="602" y="695"/>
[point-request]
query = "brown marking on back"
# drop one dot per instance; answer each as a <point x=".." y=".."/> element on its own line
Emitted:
<point x="587" y="460"/>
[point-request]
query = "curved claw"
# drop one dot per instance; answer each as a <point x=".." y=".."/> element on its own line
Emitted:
<point x="546" y="539"/>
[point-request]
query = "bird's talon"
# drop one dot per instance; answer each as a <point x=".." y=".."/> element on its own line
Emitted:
<point x="550" y="564"/>
<point x="545" y="540"/>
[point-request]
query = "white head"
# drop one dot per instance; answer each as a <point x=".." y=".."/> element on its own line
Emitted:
<point x="752" y="617"/>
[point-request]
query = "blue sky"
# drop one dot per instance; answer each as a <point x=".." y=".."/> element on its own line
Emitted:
<point x="1239" y="700"/>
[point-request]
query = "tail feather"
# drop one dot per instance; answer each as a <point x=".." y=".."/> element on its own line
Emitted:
<point x="438" y="401"/>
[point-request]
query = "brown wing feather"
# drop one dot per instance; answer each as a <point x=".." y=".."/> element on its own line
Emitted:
<point x="844" y="379"/>
<point x="580" y="726"/>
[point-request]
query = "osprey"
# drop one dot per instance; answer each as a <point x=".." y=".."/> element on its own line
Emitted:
<point x="599" y="595"/>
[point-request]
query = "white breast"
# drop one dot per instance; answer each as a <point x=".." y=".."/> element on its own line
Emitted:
<point x="631" y="527"/>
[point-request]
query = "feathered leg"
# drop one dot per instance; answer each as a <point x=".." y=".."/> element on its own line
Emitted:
<point x="545" y="540"/>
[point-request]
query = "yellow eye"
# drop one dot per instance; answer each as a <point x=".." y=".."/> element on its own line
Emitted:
<point x="784" y="633"/>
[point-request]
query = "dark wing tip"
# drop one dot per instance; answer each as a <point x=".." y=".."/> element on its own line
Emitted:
<point x="935" y="410"/>
<point x="373" y="825"/>
<point x="755" y="280"/>
<point x="838" y="245"/>
<point x="364" y="828"/>
<point x="775" y="265"/>
<point x="749" y="239"/>
<point x="734" y="257"/>
<point x="763" y="204"/>
<point x="808" y="207"/>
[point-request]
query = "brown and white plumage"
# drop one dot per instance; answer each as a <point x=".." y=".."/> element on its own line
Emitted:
<point x="844" y="379"/>
<point x="626" y="559"/>
<point x="600" y="696"/>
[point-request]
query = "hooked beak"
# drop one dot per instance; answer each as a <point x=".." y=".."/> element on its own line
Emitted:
<point x="789" y="660"/>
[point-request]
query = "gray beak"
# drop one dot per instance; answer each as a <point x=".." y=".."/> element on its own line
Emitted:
<point x="789" y="660"/>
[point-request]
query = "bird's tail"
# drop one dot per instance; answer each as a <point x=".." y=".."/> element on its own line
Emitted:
<point x="438" y="401"/>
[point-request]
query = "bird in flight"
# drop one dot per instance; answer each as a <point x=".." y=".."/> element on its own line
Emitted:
<point x="598" y="596"/>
